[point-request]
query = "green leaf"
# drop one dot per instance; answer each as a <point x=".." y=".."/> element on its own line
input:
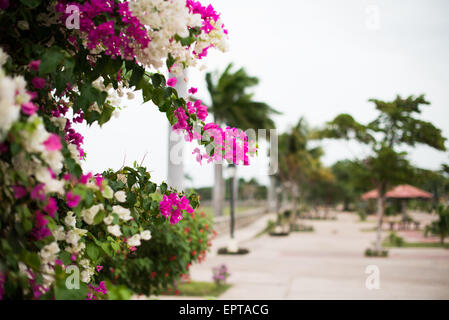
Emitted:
<point x="31" y="3"/>
<point x="170" y="61"/>
<point x="51" y="60"/>
<point x="137" y="75"/>
<point x="65" y="257"/>
<point x="163" y="188"/>
<point x="147" y="92"/>
<point x="115" y="246"/>
<point x="92" y="251"/>
<point x="64" y="293"/>
<point x="106" y="114"/>
<point x="73" y="167"/>
<point x="99" y="217"/>
<point x="131" y="199"/>
<point x="131" y="180"/>
<point x="106" y="248"/>
<point x="157" y="79"/>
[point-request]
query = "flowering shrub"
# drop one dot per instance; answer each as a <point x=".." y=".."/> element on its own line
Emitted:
<point x="158" y="263"/>
<point x="52" y="214"/>
<point x="220" y="274"/>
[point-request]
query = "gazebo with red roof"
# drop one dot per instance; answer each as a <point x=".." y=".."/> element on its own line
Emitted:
<point x="404" y="192"/>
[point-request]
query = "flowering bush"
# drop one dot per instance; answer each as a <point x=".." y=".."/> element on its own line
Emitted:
<point x="158" y="263"/>
<point x="52" y="214"/>
<point x="220" y="274"/>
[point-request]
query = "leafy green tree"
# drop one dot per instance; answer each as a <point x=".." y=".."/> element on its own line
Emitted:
<point x="395" y="126"/>
<point x="350" y="181"/>
<point x="440" y="227"/>
<point x="298" y="161"/>
<point x="435" y="182"/>
<point x="232" y="105"/>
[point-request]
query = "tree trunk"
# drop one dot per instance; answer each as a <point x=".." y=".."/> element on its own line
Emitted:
<point x="380" y="214"/>
<point x="404" y="209"/>
<point x="345" y="205"/>
<point x="218" y="191"/>
<point x="294" y="195"/>
<point x="272" y="202"/>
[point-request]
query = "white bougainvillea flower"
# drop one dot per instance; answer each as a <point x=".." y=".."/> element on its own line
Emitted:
<point x="70" y="219"/>
<point x="134" y="241"/>
<point x="123" y="213"/>
<point x="108" y="220"/>
<point x="145" y="235"/>
<point x="120" y="196"/>
<point x="114" y="230"/>
<point x="89" y="214"/>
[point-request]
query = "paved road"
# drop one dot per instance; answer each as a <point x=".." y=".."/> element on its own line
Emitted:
<point x="326" y="264"/>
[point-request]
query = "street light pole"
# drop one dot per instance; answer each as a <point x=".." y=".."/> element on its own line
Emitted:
<point x="232" y="245"/>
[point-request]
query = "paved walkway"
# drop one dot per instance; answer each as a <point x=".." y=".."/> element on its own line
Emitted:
<point x="326" y="264"/>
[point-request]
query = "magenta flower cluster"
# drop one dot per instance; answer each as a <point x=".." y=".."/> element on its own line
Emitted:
<point x="71" y="136"/>
<point x="101" y="289"/>
<point x="132" y="34"/>
<point x="208" y="14"/>
<point x="172" y="206"/>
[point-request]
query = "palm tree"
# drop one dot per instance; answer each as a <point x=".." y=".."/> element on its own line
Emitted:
<point x="232" y="105"/>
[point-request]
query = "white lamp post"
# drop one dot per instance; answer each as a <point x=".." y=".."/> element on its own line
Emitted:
<point x="233" y="245"/>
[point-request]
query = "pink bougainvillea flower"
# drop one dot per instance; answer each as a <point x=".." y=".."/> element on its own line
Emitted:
<point x="40" y="230"/>
<point x="38" y="83"/>
<point x="99" y="181"/>
<point x="73" y="199"/>
<point x="85" y="178"/>
<point x="19" y="192"/>
<point x="34" y="65"/>
<point x="53" y="143"/>
<point x="51" y="207"/>
<point x="99" y="268"/>
<point x="199" y="157"/>
<point x="172" y="206"/>
<point x="29" y="108"/>
<point x="73" y="257"/>
<point x="193" y="90"/>
<point x="132" y="249"/>
<point x="40" y="219"/>
<point x="172" y="82"/>
<point x="52" y="174"/>
<point x="38" y="192"/>
<point x="32" y="94"/>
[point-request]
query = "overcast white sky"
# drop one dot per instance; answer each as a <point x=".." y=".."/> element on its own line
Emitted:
<point x="314" y="58"/>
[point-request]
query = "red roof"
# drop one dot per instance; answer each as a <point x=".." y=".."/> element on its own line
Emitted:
<point x="407" y="191"/>
<point x="373" y="194"/>
<point x="403" y="191"/>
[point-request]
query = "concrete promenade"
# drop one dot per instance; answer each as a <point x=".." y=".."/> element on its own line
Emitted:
<point x="326" y="264"/>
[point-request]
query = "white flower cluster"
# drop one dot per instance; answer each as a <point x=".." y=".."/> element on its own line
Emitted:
<point x="12" y="95"/>
<point x="88" y="271"/>
<point x="165" y="20"/>
<point x="134" y="241"/>
<point x="32" y="140"/>
<point x="48" y="256"/>
<point x="89" y="214"/>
